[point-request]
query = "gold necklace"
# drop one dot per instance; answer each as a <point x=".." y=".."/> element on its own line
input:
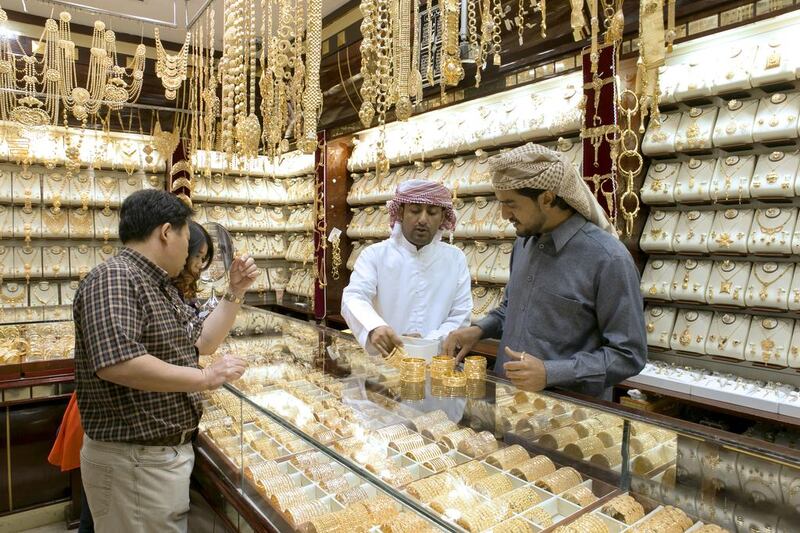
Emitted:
<point x="726" y="283"/>
<point x="728" y="176"/>
<point x="171" y="69"/>
<point x="217" y="212"/>
<point x="107" y="188"/>
<point x="770" y="230"/>
<point x="84" y="190"/>
<point x="81" y="220"/>
<point x="41" y="300"/>
<point x="55" y="220"/>
<point x="656" y="182"/>
<point x="767" y="344"/>
<point x="59" y="252"/>
<point x="237" y="213"/>
<point x="14" y="299"/>
<point x="106" y="223"/>
<point x="763" y="293"/>
<point x="214" y="181"/>
<point x="27" y="192"/>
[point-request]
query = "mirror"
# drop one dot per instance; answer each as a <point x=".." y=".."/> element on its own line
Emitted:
<point x="216" y="275"/>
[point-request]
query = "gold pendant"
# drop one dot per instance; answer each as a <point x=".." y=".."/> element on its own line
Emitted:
<point x="655" y="186"/>
<point x="651" y="327"/>
<point x="652" y="291"/>
<point x="772" y="177"/>
<point x="724" y="240"/>
<point x="725" y="287"/>
<point x="685" y="283"/>
<point x="693" y="131"/>
<point x="686" y="338"/>
<point x="774" y="60"/>
<point x="722" y="342"/>
<point x="763" y="293"/>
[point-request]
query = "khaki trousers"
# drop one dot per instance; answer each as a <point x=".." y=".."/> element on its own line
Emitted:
<point x="137" y="489"/>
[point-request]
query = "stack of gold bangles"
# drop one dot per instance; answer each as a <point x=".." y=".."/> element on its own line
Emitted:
<point x="302" y="513"/>
<point x="289" y="498"/>
<point x="452" y="440"/>
<point x="425" y="453"/>
<point x="624" y="509"/>
<point x="580" y="496"/>
<point x="521" y="499"/>
<point x="540" y="517"/>
<point x="412" y="391"/>
<point x="439" y="429"/>
<point x="608" y="458"/>
<point x="440" y="464"/>
<point x="407" y="522"/>
<point x="412" y="370"/>
<point x="666" y="519"/>
<point x="407" y="443"/>
<point x="514" y="525"/>
<point x="509" y="457"/>
<point x="483" y="516"/>
<point x="494" y="485"/>
<point x="556" y="440"/>
<point x="441" y="366"/>
<point x="431" y="487"/>
<point x="584" y="448"/>
<point x="470" y="472"/>
<point x="589" y="523"/>
<point x="478" y="445"/>
<point x="352" y="495"/>
<point x="454" y="384"/>
<point x="534" y="468"/>
<point x="429" y="419"/>
<point x="475" y="367"/>
<point x="561" y="480"/>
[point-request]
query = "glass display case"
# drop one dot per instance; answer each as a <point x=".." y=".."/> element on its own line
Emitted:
<point x="36" y="349"/>
<point x="319" y="436"/>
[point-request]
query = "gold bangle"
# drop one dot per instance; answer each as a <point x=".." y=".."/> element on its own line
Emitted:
<point x="470" y="472"/>
<point x="540" y="517"/>
<point x="494" y="485"/>
<point x="580" y="496"/>
<point x="521" y="499"/>
<point x="534" y="468"/>
<point x="584" y="448"/>
<point x="440" y="464"/>
<point x="452" y="440"/>
<point x="509" y="457"/>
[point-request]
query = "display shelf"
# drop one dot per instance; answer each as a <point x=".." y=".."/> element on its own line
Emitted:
<point x="714" y="405"/>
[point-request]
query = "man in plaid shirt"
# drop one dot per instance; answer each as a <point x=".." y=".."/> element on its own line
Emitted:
<point x="138" y="385"/>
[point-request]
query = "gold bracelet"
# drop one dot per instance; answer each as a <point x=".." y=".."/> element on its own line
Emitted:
<point x="509" y="457"/>
<point x="580" y="496"/>
<point x="540" y="517"/>
<point x="534" y="468"/>
<point x="494" y="485"/>
<point x="229" y="296"/>
<point x="521" y="499"/>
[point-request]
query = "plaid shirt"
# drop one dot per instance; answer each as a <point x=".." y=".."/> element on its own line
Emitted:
<point x="127" y="307"/>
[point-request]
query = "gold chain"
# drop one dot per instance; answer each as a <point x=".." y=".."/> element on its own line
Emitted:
<point x="630" y="161"/>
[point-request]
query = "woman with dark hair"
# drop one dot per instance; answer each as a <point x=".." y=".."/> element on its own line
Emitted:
<point x="201" y="251"/>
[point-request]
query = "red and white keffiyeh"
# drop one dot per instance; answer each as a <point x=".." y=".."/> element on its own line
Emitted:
<point x="426" y="193"/>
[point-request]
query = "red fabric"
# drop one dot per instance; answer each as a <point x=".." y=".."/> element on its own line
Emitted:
<point x="66" y="451"/>
<point x="423" y="192"/>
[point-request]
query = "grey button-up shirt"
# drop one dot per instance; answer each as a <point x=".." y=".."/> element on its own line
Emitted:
<point x="573" y="301"/>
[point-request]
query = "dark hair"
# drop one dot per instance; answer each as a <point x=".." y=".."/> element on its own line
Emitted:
<point x="186" y="282"/>
<point x="534" y="194"/>
<point x="197" y="237"/>
<point x="145" y="210"/>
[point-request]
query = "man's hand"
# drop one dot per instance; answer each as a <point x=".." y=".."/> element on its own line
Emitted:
<point x="384" y="339"/>
<point x="525" y="371"/>
<point x="243" y="274"/>
<point x="461" y="342"/>
<point x="224" y="370"/>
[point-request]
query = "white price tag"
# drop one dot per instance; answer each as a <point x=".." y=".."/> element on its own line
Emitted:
<point x="334" y="235"/>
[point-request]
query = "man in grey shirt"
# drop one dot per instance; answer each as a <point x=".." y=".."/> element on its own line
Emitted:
<point x="572" y="301"/>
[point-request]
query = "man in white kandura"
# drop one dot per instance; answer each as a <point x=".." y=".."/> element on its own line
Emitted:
<point x="411" y="284"/>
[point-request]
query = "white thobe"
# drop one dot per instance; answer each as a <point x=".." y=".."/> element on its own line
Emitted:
<point x="425" y="291"/>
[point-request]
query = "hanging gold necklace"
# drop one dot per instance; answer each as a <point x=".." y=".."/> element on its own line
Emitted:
<point x="764" y="293"/>
<point x="171" y="69"/>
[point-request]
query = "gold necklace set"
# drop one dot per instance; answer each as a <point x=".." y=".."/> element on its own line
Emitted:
<point x="763" y="293"/>
<point x="171" y="69"/>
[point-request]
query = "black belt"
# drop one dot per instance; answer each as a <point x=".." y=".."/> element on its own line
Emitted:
<point x="178" y="439"/>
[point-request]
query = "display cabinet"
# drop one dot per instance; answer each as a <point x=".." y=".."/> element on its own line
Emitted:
<point x="36" y="349"/>
<point x="319" y="436"/>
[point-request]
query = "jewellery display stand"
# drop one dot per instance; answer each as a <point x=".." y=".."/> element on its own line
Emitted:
<point x="481" y="231"/>
<point x="267" y="206"/>
<point x="56" y="225"/>
<point x="734" y="158"/>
